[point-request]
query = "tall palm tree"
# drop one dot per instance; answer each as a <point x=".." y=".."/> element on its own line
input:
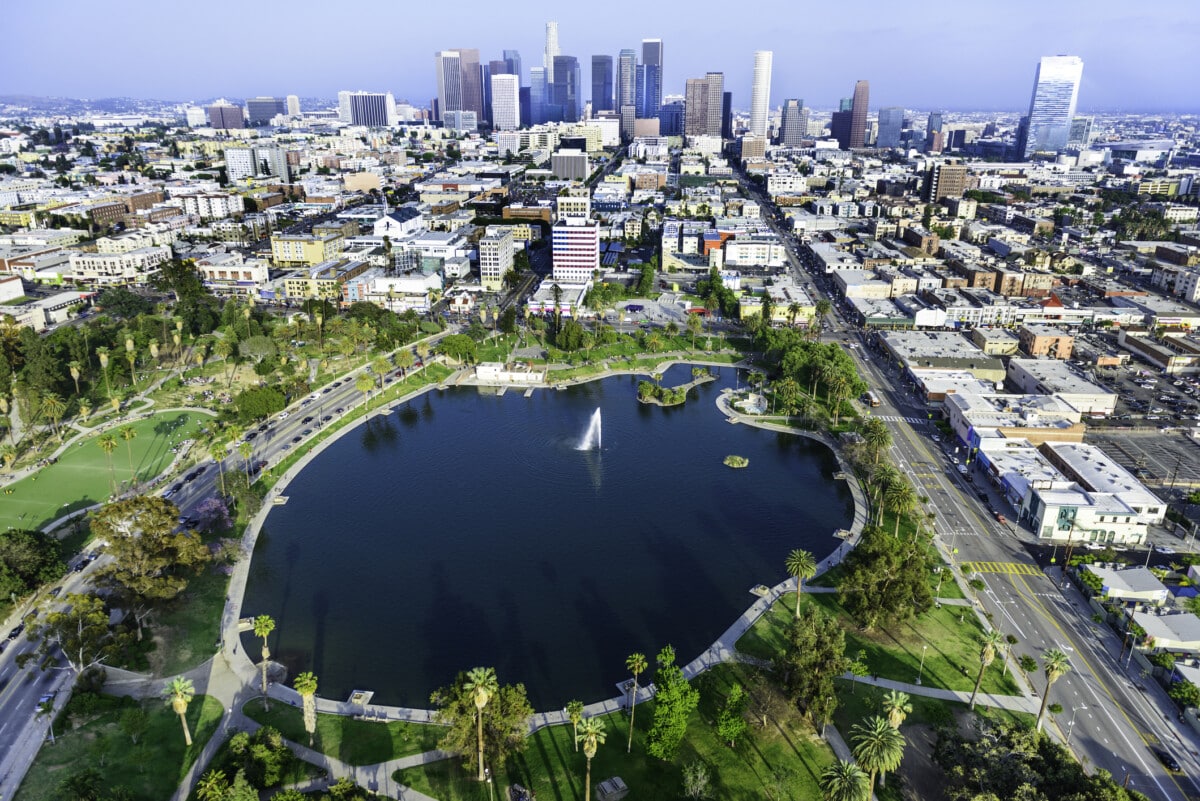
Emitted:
<point x="575" y="715"/>
<point x="423" y="350"/>
<point x="845" y="781"/>
<point x="883" y="476"/>
<point x="592" y="734"/>
<point x="877" y="747"/>
<point x="108" y="444"/>
<point x="9" y="454"/>
<point x="380" y="366"/>
<point x="85" y="410"/>
<point x="793" y="310"/>
<point x="801" y="565"/>
<point x="993" y="644"/>
<point x="246" y="449"/>
<point x="877" y="437"/>
<point x="900" y="497"/>
<point x="306" y="685"/>
<point x="482" y="684"/>
<point x="635" y="663"/>
<point x="1054" y="665"/>
<point x="179" y="692"/>
<point x="364" y="384"/>
<point x="129" y="434"/>
<point x="263" y="626"/>
<point x="75" y="367"/>
<point x="404" y="360"/>
<point x="54" y="408"/>
<point x="103" y="354"/>
<point x="896" y="705"/>
<point x="823" y="307"/>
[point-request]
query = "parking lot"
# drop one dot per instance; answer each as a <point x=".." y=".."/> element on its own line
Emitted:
<point x="1161" y="460"/>
<point x="1160" y="400"/>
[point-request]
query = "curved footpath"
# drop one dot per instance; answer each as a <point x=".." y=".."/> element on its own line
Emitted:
<point x="232" y="677"/>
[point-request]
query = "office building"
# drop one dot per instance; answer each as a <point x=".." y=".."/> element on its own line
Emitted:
<point x="602" y="83"/>
<point x="670" y="118"/>
<point x="1081" y="132"/>
<point x="538" y="95"/>
<point x="760" y="94"/>
<point x="626" y="84"/>
<point x="344" y="107"/>
<point x="506" y="102"/>
<point x="891" y="125"/>
<point x="695" y="100"/>
<point x="565" y="93"/>
<point x="448" y="67"/>
<point x="628" y="121"/>
<point x="196" y="117"/>
<point x="651" y="74"/>
<point x="793" y="123"/>
<point x="853" y="120"/>
<point x="1047" y="128"/>
<point x="945" y="180"/>
<point x="526" y="117"/>
<point x="512" y="58"/>
<point x="293" y="106"/>
<point x="933" y="133"/>
<point x="550" y="51"/>
<point x="726" y="115"/>
<point x="371" y="109"/>
<point x="495" y="257"/>
<point x="242" y="163"/>
<point x="575" y="240"/>
<point x="472" y="81"/>
<point x="461" y="120"/>
<point x="223" y="115"/>
<point x="569" y="164"/>
<point x="261" y="110"/>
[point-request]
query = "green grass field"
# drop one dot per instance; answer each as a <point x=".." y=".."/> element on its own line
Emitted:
<point x="780" y="761"/>
<point x="150" y="769"/>
<point x="355" y="742"/>
<point x="82" y="476"/>
<point x="947" y="637"/>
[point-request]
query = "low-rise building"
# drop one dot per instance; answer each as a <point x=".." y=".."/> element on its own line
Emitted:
<point x="301" y="250"/>
<point x="1053" y="377"/>
<point x="1136" y="584"/>
<point x="1178" y="633"/>
<point x="1044" y="341"/>
<point x="101" y="269"/>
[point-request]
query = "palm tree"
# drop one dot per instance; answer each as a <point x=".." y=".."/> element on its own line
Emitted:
<point x="896" y="705"/>
<point x="246" y="448"/>
<point x="883" y="476"/>
<point x="306" y="685"/>
<point x="801" y="565"/>
<point x="993" y="644"/>
<point x="1054" y="665"/>
<point x="423" y="350"/>
<point x="218" y="448"/>
<point x="877" y="747"/>
<point x="179" y="692"/>
<point x="212" y="786"/>
<point x="380" y="366"/>
<point x="793" y="310"/>
<point x="75" y="367"/>
<point x="876" y="436"/>
<point x="54" y="408"/>
<point x="404" y="360"/>
<point x="129" y="434"/>
<point x="635" y="663"/>
<point x="482" y="684"/>
<point x="575" y="714"/>
<point x="823" y="307"/>
<point x="364" y="384"/>
<point x="593" y="735"/>
<point x="108" y="444"/>
<point x="899" y="498"/>
<point x="103" y="354"/>
<point x="85" y="410"/>
<point x="845" y="781"/>
<point x="263" y="626"/>
<point x="9" y="454"/>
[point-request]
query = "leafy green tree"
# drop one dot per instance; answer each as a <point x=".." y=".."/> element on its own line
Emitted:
<point x="77" y="625"/>
<point x="152" y="563"/>
<point x="993" y="644"/>
<point x="364" y="384"/>
<point x="28" y="559"/>
<point x="458" y="347"/>
<point x="575" y="715"/>
<point x="178" y="692"/>
<point x="505" y="719"/>
<point x="591" y="733"/>
<point x="212" y="786"/>
<point x="404" y="360"/>
<point x="134" y="723"/>
<point x="899" y="498"/>
<point x="258" y="349"/>
<point x="731" y="720"/>
<point x="878" y="747"/>
<point x="1055" y="665"/>
<point x="674" y="703"/>
<point x="886" y="580"/>
<point x="788" y="395"/>
<point x="800" y="565"/>
<point x="876" y="437"/>
<point x="814" y="655"/>
<point x="845" y="781"/>
<point x="1185" y="693"/>
<point x="257" y="403"/>
<point x="635" y="663"/>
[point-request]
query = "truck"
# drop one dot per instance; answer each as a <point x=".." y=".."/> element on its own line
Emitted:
<point x="871" y="399"/>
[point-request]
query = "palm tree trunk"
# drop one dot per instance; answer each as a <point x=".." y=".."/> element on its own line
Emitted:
<point x="1042" y="710"/>
<point x="632" y="709"/>
<point x="799" y="589"/>
<point x="479" y="719"/>
<point x="978" y="681"/>
<point x="187" y="735"/>
<point x="266" y="654"/>
<point x="129" y="450"/>
<point x="587" y="786"/>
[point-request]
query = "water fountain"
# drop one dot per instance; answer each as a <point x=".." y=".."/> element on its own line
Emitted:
<point x="591" y="437"/>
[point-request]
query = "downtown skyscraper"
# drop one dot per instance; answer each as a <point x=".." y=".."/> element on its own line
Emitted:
<point x="1047" y="128"/>
<point x="550" y="51"/>
<point x="760" y="94"/>
<point x="650" y="79"/>
<point x="602" y="83"/>
<point x="849" y="123"/>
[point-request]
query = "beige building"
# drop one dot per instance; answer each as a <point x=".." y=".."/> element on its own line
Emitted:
<point x="304" y="250"/>
<point x="1044" y="341"/>
<point x="495" y="257"/>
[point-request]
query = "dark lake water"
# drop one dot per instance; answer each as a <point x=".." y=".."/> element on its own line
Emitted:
<point x="467" y="529"/>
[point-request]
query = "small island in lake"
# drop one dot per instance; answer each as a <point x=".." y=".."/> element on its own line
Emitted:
<point x="736" y="461"/>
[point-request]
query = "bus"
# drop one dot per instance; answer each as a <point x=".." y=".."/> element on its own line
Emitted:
<point x="871" y="399"/>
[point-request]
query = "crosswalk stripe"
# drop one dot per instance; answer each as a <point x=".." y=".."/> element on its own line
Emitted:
<point x="1012" y="568"/>
<point x="892" y="418"/>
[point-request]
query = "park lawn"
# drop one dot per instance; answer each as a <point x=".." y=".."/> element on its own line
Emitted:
<point x="783" y="761"/>
<point x="948" y="637"/>
<point x="187" y="631"/>
<point x="81" y="477"/>
<point x="353" y="741"/>
<point x="149" y="770"/>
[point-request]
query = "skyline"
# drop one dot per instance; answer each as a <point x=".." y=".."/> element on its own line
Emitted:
<point x="973" y="61"/>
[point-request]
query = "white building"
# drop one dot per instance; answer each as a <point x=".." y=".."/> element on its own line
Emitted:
<point x="210" y="205"/>
<point x="242" y="163"/>
<point x="1055" y="377"/>
<point x="506" y="103"/>
<point x="101" y="269"/>
<point x="575" y="240"/>
<point x="760" y="94"/>
<point x="495" y="257"/>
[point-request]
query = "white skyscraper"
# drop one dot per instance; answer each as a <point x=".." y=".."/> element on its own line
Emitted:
<point x="1052" y="107"/>
<point x="293" y="106"/>
<point x="760" y="94"/>
<point x="448" y="66"/>
<point x="506" y="103"/>
<point x="551" y="51"/>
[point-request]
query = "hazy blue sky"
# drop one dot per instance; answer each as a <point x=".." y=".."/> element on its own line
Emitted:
<point x="1137" y="55"/>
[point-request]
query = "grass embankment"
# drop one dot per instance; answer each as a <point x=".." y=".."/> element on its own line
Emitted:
<point x="784" y="760"/>
<point x="948" y="637"/>
<point x="82" y="476"/>
<point x="149" y="769"/>
<point x="353" y="741"/>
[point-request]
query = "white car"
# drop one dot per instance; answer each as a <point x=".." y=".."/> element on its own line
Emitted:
<point x="1164" y="549"/>
<point x="283" y="415"/>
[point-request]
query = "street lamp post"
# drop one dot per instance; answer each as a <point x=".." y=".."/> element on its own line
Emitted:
<point x="921" y="670"/>
<point x="1071" y="725"/>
